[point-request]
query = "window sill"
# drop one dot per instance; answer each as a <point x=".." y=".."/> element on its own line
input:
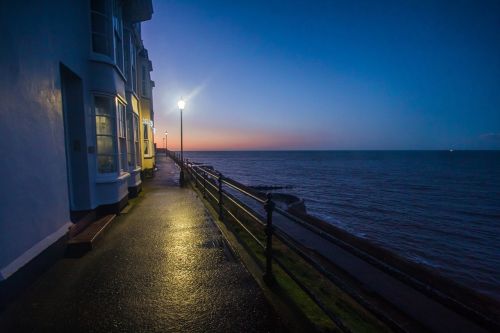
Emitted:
<point x="134" y="170"/>
<point x="112" y="178"/>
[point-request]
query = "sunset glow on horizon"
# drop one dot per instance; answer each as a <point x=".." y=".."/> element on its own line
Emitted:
<point x="204" y="140"/>
<point x="265" y="76"/>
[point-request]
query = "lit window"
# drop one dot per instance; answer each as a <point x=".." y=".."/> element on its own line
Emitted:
<point x="146" y="139"/>
<point x="105" y="134"/>
<point x="136" y="138"/>
<point x="131" y="152"/>
<point x="122" y="137"/>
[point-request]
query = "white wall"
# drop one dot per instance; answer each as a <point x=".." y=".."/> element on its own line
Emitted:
<point x="34" y="205"/>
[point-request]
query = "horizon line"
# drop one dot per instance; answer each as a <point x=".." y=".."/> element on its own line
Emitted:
<point x="319" y="150"/>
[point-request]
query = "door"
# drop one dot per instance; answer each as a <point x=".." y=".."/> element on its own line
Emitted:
<point x="75" y="140"/>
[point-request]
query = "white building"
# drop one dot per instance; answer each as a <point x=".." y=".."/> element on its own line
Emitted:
<point x="69" y="118"/>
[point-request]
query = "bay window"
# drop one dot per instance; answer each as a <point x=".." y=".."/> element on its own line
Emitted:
<point x="105" y="134"/>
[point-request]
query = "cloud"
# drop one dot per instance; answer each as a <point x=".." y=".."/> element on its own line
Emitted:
<point x="495" y="137"/>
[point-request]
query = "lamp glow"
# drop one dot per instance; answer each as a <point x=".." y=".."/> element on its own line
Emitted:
<point x="181" y="104"/>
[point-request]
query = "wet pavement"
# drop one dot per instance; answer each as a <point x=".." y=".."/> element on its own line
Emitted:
<point x="160" y="267"/>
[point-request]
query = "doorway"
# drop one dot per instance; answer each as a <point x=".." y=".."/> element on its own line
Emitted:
<point x="75" y="142"/>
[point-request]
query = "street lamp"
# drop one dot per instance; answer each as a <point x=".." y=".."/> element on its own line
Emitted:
<point x="181" y="104"/>
<point x="166" y="143"/>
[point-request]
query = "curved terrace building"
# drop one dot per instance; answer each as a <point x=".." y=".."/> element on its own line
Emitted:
<point x="76" y="118"/>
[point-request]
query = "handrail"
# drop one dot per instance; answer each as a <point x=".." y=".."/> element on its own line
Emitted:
<point x="198" y="172"/>
<point x="232" y="184"/>
<point x="283" y="237"/>
<point x="423" y="287"/>
<point x="201" y="172"/>
<point x="362" y="254"/>
<point x="247" y="211"/>
<point x="340" y="324"/>
<point x="246" y="229"/>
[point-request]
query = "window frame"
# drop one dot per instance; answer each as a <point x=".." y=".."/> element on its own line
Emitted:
<point x="144" y="77"/>
<point x="121" y="135"/>
<point x="113" y="133"/>
<point x="132" y="140"/>
<point x="133" y="64"/>
<point x="106" y="16"/>
<point x="117" y="34"/>
<point x="146" y="141"/>
<point x="138" y="161"/>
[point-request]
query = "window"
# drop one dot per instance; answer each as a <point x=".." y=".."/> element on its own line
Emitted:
<point x="143" y="81"/>
<point x="136" y="138"/>
<point x="122" y="137"/>
<point x="146" y="139"/>
<point x="126" y="54"/>
<point x="100" y="25"/>
<point x="133" y="64"/>
<point x="105" y="134"/>
<point x="118" y="33"/>
<point x="130" y="141"/>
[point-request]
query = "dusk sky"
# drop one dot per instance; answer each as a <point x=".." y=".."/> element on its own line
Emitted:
<point x="327" y="75"/>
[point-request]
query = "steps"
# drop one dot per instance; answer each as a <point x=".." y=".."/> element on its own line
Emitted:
<point x="83" y="242"/>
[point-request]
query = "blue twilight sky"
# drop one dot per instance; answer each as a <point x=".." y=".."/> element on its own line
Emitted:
<point x="327" y="74"/>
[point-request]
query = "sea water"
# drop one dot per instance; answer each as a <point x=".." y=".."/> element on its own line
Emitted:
<point x="437" y="208"/>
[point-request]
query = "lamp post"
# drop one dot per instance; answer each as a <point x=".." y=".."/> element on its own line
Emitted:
<point x="166" y="143"/>
<point x="181" y="104"/>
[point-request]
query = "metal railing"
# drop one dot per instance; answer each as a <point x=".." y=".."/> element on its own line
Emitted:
<point x="221" y="190"/>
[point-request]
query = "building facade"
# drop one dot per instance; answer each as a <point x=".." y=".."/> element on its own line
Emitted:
<point x="74" y="135"/>
<point x="147" y="114"/>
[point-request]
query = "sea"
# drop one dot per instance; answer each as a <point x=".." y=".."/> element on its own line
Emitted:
<point x="440" y="209"/>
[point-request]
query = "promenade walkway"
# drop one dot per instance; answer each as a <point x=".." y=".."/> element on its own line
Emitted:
<point x="161" y="267"/>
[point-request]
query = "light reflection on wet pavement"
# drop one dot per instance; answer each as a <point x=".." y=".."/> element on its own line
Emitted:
<point x="159" y="268"/>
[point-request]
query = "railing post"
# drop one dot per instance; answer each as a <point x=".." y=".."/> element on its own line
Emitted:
<point x="221" y="215"/>
<point x="181" y="174"/>
<point x="204" y="184"/>
<point x="269" y="207"/>
<point x="195" y="176"/>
